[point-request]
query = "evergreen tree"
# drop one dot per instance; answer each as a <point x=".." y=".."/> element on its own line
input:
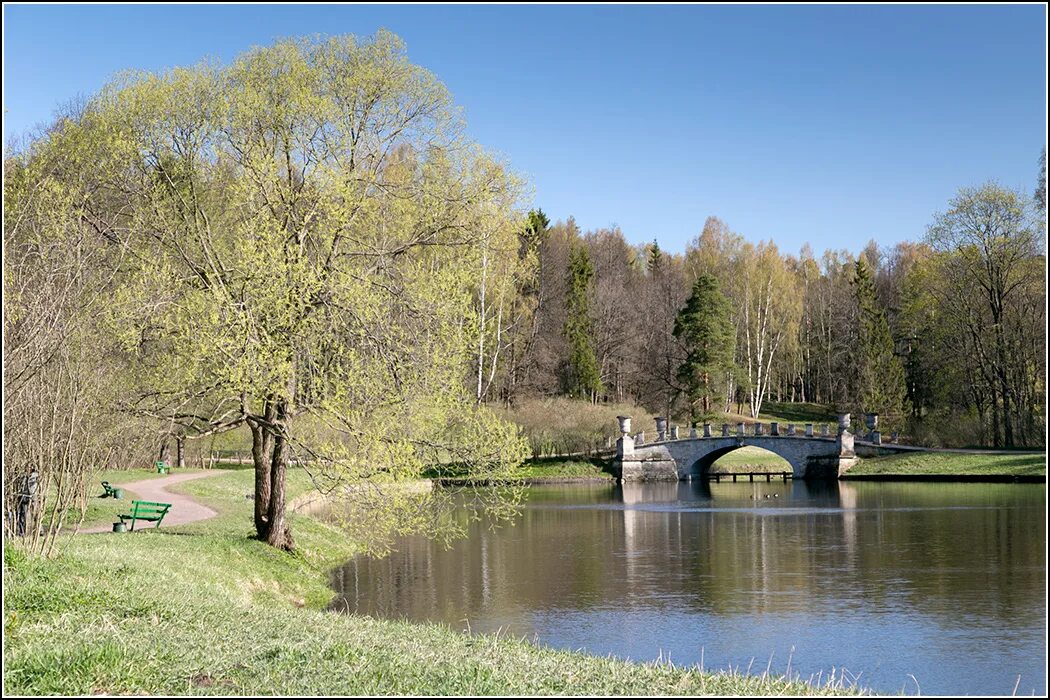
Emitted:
<point x="584" y="378"/>
<point x="655" y="255"/>
<point x="705" y="328"/>
<point x="881" y="374"/>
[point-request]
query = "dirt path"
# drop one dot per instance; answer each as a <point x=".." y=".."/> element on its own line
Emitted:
<point x="183" y="508"/>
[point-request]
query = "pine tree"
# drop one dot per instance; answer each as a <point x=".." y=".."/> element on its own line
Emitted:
<point x="881" y="374"/>
<point x="584" y="378"/>
<point x="704" y="326"/>
<point x="655" y="255"/>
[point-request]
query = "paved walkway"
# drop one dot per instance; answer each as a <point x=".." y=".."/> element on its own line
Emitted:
<point x="183" y="508"/>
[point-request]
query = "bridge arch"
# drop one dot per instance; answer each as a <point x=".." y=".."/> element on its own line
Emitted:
<point x="705" y="462"/>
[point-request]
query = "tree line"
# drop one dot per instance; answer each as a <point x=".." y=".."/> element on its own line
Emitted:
<point x="943" y="337"/>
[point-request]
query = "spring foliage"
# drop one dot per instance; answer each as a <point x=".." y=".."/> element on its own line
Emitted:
<point x="302" y="231"/>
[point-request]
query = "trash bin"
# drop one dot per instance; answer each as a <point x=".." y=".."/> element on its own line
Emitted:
<point x="120" y="527"/>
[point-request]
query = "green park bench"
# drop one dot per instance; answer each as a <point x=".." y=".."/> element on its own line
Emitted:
<point x="145" y="510"/>
<point x="111" y="491"/>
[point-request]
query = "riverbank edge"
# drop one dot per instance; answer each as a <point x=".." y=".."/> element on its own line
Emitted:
<point x="238" y="617"/>
<point x="526" y="481"/>
<point x="951" y="478"/>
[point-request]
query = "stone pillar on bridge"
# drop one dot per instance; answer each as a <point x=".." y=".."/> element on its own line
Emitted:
<point x="674" y="432"/>
<point x="725" y="430"/>
<point x="876" y="437"/>
<point x="707" y="429"/>
<point x="774" y="429"/>
<point x="625" y="443"/>
<point x="740" y="429"/>
<point x="791" y="430"/>
<point x="692" y="430"/>
<point x="847" y="457"/>
<point x="639" y="439"/>
<point x="825" y="430"/>
<point x="661" y="429"/>
<point x="809" y="430"/>
<point x="758" y="429"/>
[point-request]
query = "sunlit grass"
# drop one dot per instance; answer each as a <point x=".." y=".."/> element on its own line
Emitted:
<point x="204" y="609"/>
<point x="947" y="463"/>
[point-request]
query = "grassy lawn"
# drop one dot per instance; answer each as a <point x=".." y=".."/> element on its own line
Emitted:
<point x="787" y="412"/>
<point x="750" y="459"/>
<point x="203" y="609"/>
<point x="99" y="510"/>
<point x="555" y="468"/>
<point x="941" y="463"/>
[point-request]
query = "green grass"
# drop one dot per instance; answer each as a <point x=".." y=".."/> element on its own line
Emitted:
<point x="563" y="468"/>
<point x="99" y="510"/>
<point x="750" y="459"/>
<point x="941" y="463"/>
<point x="787" y="412"/>
<point x="203" y="609"/>
<point x="540" y="469"/>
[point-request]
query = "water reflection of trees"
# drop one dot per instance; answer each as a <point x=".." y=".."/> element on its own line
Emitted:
<point x="726" y="549"/>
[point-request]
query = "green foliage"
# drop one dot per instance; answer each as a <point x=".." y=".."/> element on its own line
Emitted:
<point x="881" y="374"/>
<point x="654" y="256"/>
<point x="301" y="232"/>
<point x="584" y="378"/>
<point x="705" y="328"/>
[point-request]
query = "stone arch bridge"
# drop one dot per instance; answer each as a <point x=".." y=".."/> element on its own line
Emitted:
<point x="670" y="458"/>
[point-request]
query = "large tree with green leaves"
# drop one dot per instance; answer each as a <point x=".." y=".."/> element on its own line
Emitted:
<point x="583" y="374"/>
<point x="301" y="234"/>
<point x="990" y="290"/>
<point x="705" y="327"/>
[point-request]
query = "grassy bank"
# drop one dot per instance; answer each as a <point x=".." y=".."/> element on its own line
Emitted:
<point x="951" y="464"/>
<point x="540" y="470"/>
<point x="203" y="609"/>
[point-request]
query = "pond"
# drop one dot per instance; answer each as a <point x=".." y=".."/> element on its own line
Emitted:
<point x="913" y="587"/>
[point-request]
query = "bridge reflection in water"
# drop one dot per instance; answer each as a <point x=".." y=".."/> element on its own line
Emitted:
<point x="885" y="579"/>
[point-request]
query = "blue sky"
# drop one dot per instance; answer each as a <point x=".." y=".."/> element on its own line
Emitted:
<point x="831" y="125"/>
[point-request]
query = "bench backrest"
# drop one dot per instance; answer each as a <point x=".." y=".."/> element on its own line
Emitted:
<point x="149" y="508"/>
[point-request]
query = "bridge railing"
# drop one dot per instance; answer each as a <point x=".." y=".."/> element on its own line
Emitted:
<point x="665" y="433"/>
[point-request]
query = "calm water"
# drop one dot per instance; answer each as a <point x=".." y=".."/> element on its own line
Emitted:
<point x="943" y="582"/>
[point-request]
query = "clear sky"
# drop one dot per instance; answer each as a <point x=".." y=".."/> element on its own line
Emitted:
<point x="831" y="125"/>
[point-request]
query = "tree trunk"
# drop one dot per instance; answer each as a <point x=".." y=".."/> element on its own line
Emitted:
<point x="278" y="535"/>
<point x="262" y="443"/>
<point x="180" y="451"/>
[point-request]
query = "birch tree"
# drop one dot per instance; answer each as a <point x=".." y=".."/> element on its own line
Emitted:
<point x="770" y="316"/>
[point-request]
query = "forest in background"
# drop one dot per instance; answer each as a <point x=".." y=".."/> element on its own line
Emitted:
<point x="944" y="337"/>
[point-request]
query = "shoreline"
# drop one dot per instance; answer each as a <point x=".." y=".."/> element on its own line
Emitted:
<point x="239" y="617"/>
<point x="950" y="478"/>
